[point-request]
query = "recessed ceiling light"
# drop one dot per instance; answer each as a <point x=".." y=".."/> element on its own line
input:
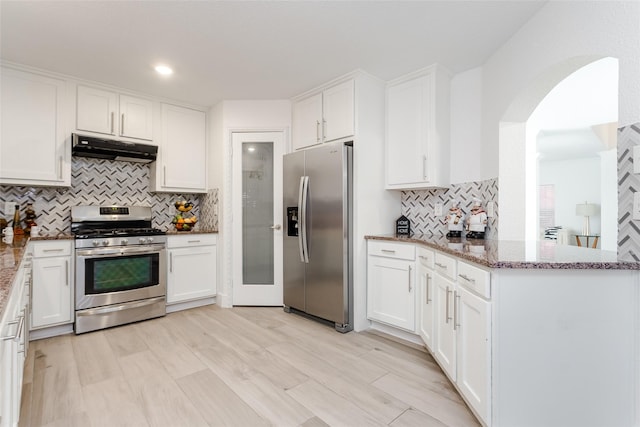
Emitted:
<point x="164" y="70"/>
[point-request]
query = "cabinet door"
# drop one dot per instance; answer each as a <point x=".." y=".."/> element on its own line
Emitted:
<point x="407" y="131"/>
<point x="338" y="111"/>
<point x="96" y="110"/>
<point x="52" y="292"/>
<point x="474" y="350"/>
<point x="307" y="122"/>
<point x="136" y="118"/>
<point x="192" y="273"/>
<point x="426" y="305"/>
<point x="184" y="158"/>
<point x="32" y="135"/>
<point x="444" y="347"/>
<point x="391" y="292"/>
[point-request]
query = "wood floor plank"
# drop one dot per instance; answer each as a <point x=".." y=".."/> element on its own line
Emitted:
<point x="413" y="418"/>
<point x="454" y="414"/>
<point x="81" y="419"/>
<point x="125" y="341"/>
<point x="216" y="402"/>
<point x="56" y="394"/>
<point x="380" y="405"/>
<point x="330" y="407"/>
<point x="95" y="360"/>
<point x="112" y="403"/>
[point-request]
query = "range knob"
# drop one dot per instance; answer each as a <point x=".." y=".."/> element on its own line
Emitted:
<point x="105" y="242"/>
<point x="124" y="241"/>
<point x="149" y="239"/>
<point x="142" y="240"/>
<point x="95" y="242"/>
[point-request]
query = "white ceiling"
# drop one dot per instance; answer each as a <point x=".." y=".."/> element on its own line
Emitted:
<point x="252" y="50"/>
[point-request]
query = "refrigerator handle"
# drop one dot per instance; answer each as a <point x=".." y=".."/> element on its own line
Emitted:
<point x="302" y="214"/>
<point x="304" y="245"/>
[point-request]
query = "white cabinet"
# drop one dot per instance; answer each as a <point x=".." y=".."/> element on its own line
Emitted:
<point x="182" y="157"/>
<point x="33" y="146"/>
<point x="417" y="133"/>
<point x="105" y="112"/>
<point x="426" y="302"/>
<point x="14" y="343"/>
<point x="192" y="268"/>
<point x="324" y="116"/>
<point x="473" y="335"/>
<point x="52" y="299"/>
<point x="391" y="286"/>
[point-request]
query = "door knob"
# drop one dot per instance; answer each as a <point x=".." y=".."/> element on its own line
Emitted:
<point x="276" y="227"/>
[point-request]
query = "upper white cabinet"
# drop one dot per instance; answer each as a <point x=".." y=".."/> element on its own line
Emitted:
<point x="109" y="113"/>
<point x="417" y="131"/>
<point x="33" y="147"/>
<point x="324" y="116"/>
<point x="182" y="157"/>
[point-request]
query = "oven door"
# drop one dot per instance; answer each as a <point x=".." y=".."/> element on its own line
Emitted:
<point x="106" y="276"/>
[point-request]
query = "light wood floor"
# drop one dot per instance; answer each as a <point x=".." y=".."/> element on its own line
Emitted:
<point x="234" y="367"/>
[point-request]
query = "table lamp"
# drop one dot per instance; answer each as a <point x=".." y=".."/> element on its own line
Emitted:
<point x="586" y="210"/>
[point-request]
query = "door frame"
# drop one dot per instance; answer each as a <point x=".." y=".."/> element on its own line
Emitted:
<point x="263" y="294"/>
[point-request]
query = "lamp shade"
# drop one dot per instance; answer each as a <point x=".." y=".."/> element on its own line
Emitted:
<point x="587" y="209"/>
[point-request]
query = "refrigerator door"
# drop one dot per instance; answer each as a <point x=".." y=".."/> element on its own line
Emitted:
<point x="294" y="266"/>
<point x="327" y="275"/>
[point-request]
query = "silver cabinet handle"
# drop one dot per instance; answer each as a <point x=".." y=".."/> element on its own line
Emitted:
<point x="424" y="167"/>
<point x="456" y="302"/>
<point x="441" y="265"/>
<point x="164" y="175"/>
<point x="16" y="336"/>
<point x="112" y="120"/>
<point x="66" y="272"/>
<point x="409" y="279"/>
<point x="53" y="250"/>
<point x="427" y="289"/>
<point x="60" y="168"/>
<point x="423" y="257"/>
<point x="276" y="227"/>
<point x="122" y="124"/>
<point x="317" y="131"/>
<point x="193" y="241"/>
<point x="468" y="279"/>
<point x="171" y="263"/>
<point x="387" y="251"/>
<point x="324" y="129"/>
<point x="446" y="314"/>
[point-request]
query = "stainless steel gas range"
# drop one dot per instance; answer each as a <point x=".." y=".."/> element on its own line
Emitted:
<point x="120" y="266"/>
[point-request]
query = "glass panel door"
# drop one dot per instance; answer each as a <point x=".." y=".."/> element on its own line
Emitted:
<point x="257" y="213"/>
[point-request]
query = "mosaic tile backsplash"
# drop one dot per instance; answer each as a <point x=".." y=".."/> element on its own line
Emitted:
<point x="418" y="205"/>
<point x="628" y="184"/>
<point x="104" y="182"/>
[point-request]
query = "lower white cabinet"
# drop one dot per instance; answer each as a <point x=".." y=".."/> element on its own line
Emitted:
<point x="192" y="267"/>
<point x="426" y="303"/>
<point x="52" y="293"/>
<point x="14" y="343"/>
<point x="391" y="284"/>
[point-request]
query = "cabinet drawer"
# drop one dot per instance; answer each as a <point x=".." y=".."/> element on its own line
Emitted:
<point x="426" y="257"/>
<point x="445" y="265"/>
<point x="392" y="250"/>
<point x="475" y="279"/>
<point x="51" y="248"/>
<point x="190" y="240"/>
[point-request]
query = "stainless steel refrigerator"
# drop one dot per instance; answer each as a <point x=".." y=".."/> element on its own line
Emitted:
<point x="318" y="243"/>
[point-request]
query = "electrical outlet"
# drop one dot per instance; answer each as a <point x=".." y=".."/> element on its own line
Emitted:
<point x="437" y="211"/>
<point x="9" y="208"/>
<point x="491" y="210"/>
<point x="636" y="206"/>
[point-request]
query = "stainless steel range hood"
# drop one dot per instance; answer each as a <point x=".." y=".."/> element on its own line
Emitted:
<point x="109" y="149"/>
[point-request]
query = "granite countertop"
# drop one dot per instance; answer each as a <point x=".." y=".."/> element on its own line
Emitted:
<point x="519" y="254"/>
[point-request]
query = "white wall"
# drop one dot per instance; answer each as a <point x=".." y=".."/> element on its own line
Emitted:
<point x="237" y="116"/>
<point x="559" y="39"/>
<point x="466" y="126"/>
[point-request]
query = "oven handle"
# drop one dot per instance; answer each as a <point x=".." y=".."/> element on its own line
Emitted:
<point x="121" y="251"/>
<point x="119" y="307"/>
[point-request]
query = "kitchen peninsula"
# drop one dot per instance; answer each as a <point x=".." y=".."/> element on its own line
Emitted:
<point x="530" y="333"/>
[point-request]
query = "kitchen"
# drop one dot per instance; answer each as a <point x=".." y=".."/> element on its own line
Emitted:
<point x="551" y="37"/>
